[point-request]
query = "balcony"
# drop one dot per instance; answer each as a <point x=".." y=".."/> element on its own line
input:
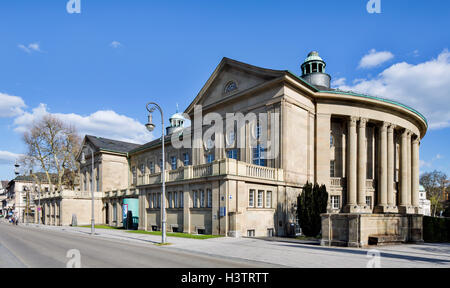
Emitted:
<point x="68" y="194"/>
<point x="216" y="168"/>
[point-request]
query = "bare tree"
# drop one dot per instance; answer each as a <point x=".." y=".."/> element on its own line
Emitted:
<point x="434" y="184"/>
<point x="52" y="148"/>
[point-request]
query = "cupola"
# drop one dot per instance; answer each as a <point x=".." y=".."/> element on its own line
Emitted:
<point x="313" y="71"/>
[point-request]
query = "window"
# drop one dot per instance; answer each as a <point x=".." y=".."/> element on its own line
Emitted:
<point x="155" y="201"/>
<point x="150" y="201"/>
<point x="186" y="161"/>
<point x="257" y="156"/>
<point x="210" y="158"/>
<point x="97" y="178"/>
<point x="142" y="170"/>
<point x="260" y="198"/>
<point x="181" y="200"/>
<point x="269" y="199"/>
<point x="232" y="154"/>
<point x="159" y="199"/>
<point x="369" y="201"/>
<point x="173" y="161"/>
<point x="231" y="139"/>
<point x="134" y="173"/>
<point x="115" y="212"/>
<point x="209" y="195"/>
<point x="195" y="199"/>
<point x="160" y="164"/>
<point x="251" y="198"/>
<point x="270" y="232"/>
<point x="84" y="180"/>
<point x="250" y="233"/>
<point x="335" y="202"/>
<point x="331" y="140"/>
<point x="175" y="199"/>
<point x="231" y="86"/>
<point x="151" y="167"/>
<point x="170" y="199"/>
<point x="332" y="168"/>
<point x="202" y="199"/>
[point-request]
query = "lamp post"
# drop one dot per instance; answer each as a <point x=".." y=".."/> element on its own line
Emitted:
<point x="83" y="161"/>
<point x="151" y="106"/>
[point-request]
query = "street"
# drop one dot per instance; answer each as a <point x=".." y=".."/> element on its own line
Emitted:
<point x="23" y="247"/>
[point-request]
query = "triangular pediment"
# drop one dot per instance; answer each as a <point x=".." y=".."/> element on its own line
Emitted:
<point x="244" y="77"/>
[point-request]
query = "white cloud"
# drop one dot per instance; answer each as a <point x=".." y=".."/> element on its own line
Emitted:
<point x="8" y="158"/>
<point x="10" y="106"/>
<point x="115" y="44"/>
<point x="424" y="87"/>
<point x="30" y="47"/>
<point x="338" y="82"/>
<point x="104" y="123"/>
<point x="374" y="58"/>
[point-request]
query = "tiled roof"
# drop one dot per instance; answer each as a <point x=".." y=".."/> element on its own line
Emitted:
<point x="111" y="145"/>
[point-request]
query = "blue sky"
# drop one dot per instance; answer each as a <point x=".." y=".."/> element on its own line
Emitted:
<point x="99" y="68"/>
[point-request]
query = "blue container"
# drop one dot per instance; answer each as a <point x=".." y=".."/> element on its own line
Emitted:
<point x="130" y="206"/>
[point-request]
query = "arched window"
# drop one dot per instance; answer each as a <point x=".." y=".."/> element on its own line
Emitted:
<point x="231" y="86"/>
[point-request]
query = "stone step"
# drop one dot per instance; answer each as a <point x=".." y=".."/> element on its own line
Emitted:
<point x="386" y="239"/>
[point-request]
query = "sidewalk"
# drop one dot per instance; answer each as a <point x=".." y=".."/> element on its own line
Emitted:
<point x="285" y="252"/>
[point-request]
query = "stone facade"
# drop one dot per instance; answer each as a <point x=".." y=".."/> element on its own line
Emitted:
<point x="363" y="148"/>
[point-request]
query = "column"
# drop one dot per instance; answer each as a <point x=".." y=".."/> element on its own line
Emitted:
<point x="351" y="172"/>
<point x="415" y="172"/>
<point x="404" y="172"/>
<point x="408" y="141"/>
<point x="362" y="162"/>
<point x="383" y="168"/>
<point x="390" y="166"/>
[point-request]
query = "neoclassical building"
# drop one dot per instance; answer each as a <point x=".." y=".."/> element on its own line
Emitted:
<point x="365" y="149"/>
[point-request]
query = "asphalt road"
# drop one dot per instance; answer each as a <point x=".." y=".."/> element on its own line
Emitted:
<point x="25" y="247"/>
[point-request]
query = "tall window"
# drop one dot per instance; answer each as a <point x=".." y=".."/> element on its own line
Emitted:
<point x="186" y="161"/>
<point x="202" y="199"/>
<point x="115" y="212"/>
<point x="251" y="198"/>
<point x="269" y="199"/>
<point x="151" y="167"/>
<point x="331" y="140"/>
<point x="335" y="202"/>
<point x="195" y="199"/>
<point x="150" y="201"/>
<point x="142" y="170"/>
<point x="181" y="200"/>
<point x="175" y="199"/>
<point x="369" y="201"/>
<point x="210" y="158"/>
<point x="173" y="161"/>
<point x="260" y="198"/>
<point x="209" y="198"/>
<point x="257" y="156"/>
<point x="160" y="165"/>
<point x="155" y="200"/>
<point x="170" y="199"/>
<point x="134" y="173"/>
<point x="159" y="199"/>
<point x="97" y="178"/>
<point x="332" y="168"/>
<point x="232" y="154"/>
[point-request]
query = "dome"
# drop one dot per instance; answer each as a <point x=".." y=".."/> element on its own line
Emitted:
<point x="177" y="116"/>
<point x="313" y="56"/>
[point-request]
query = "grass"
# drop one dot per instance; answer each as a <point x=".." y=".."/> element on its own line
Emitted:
<point x="180" y="235"/>
<point x="102" y="227"/>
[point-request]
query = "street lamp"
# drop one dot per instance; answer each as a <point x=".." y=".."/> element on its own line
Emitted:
<point x="151" y="106"/>
<point x="83" y="161"/>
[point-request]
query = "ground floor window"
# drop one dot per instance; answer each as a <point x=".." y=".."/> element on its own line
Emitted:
<point x="269" y="199"/>
<point x="209" y="195"/>
<point x="251" y="198"/>
<point x="250" y="233"/>
<point x="270" y="232"/>
<point x="369" y="201"/>
<point x="335" y="202"/>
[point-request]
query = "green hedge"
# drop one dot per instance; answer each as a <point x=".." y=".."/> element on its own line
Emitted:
<point x="436" y="229"/>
